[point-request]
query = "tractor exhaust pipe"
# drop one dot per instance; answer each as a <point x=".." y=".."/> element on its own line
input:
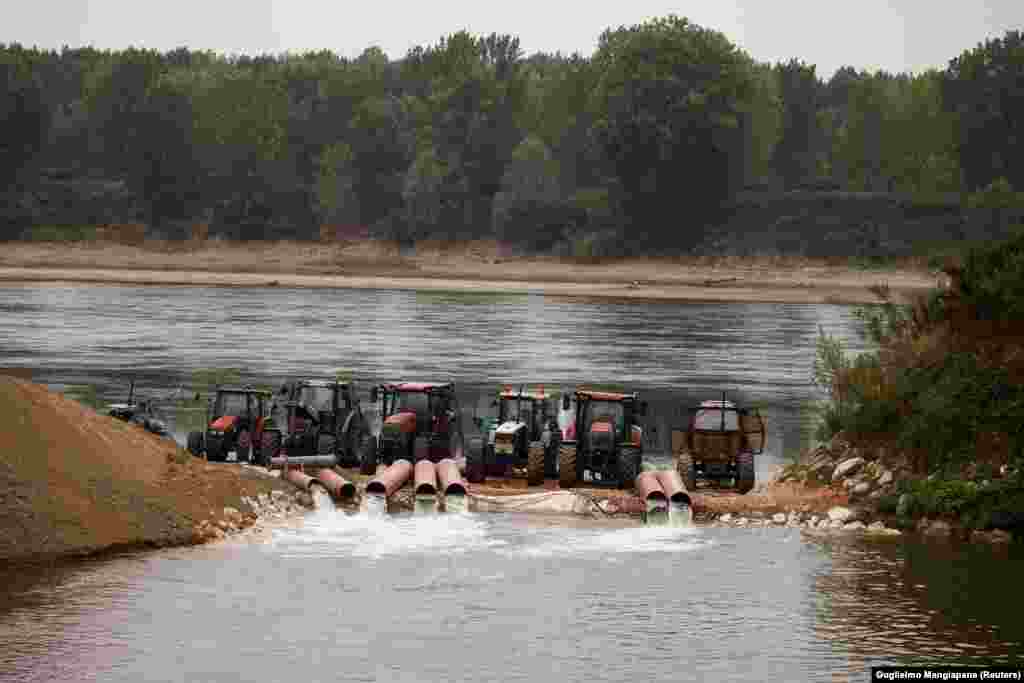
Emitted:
<point x="391" y="479"/>
<point x="680" y="509"/>
<point x="655" y="500"/>
<point x="425" y="478"/>
<point x="281" y="462"/>
<point x="339" y="487"/>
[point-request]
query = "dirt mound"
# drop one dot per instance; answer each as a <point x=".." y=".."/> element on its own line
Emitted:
<point x="73" y="482"/>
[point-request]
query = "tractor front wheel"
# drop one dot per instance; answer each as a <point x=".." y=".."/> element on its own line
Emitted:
<point x="745" y="471"/>
<point x="687" y="470"/>
<point x="535" y="465"/>
<point x="368" y="456"/>
<point x="567" y="466"/>
<point x="629" y="467"/>
<point x="475" y="465"/>
<point x="195" y="443"/>
<point x="420" y="449"/>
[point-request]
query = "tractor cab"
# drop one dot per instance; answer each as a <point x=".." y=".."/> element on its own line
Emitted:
<point x="237" y="417"/>
<point x="604" y="438"/>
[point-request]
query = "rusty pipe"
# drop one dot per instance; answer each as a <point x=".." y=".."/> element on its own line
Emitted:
<point x="424" y="478"/>
<point x="391" y="479"/>
<point x="281" y="462"/>
<point x="339" y="487"/>
<point x="300" y="480"/>
<point x="451" y="480"/>
<point x="649" y="488"/>
<point x="672" y="485"/>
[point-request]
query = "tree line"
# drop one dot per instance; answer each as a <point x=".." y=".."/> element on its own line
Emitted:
<point x="644" y="141"/>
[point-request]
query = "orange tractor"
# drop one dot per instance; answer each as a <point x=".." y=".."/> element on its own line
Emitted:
<point x="236" y="419"/>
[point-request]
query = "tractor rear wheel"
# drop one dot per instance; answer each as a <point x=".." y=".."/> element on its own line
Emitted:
<point x="271" y="444"/>
<point x="629" y="467"/>
<point x="325" y="445"/>
<point x="535" y="465"/>
<point x="420" y="449"/>
<point x="475" y="473"/>
<point x="567" y="466"/>
<point x="687" y="470"/>
<point x="745" y="471"/>
<point x="195" y="443"/>
<point x="368" y="456"/>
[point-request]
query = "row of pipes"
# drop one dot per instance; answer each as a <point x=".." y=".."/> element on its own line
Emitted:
<point x="664" y="495"/>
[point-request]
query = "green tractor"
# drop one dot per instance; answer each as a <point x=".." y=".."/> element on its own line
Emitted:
<point x="603" y="444"/>
<point x="524" y="435"/>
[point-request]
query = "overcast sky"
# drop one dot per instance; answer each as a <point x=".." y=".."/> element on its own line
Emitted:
<point x="907" y="35"/>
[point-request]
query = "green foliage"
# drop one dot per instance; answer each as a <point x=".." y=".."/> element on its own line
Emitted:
<point x="86" y="394"/>
<point x="975" y="503"/>
<point x="61" y="233"/>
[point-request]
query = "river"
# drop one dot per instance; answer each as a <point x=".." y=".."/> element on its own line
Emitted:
<point x="339" y="596"/>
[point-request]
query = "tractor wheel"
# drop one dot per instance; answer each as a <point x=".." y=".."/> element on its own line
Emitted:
<point x="745" y="467"/>
<point x="535" y="465"/>
<point x="629" y="467"/>
<point x="325" y="445"/>
<point x="420" y="449"/>
<point x="475" y="462"/>
<point x="368" y="456"/>
<point x="195" y="443"/>
<point x="271" y="444"/>
<point x="567" y="466"/>
<point x="551" y="461"/>
<point x="687" y="470"/>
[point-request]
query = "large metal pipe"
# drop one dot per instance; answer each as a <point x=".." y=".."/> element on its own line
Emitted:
<point x="673" y="486"/>
<point x="649" y="488"/>
<point x="339" y="487"/>
<point x="425" y="478"/>
<point x="391" y="479"/>
<point x="300" y="480"/>
<point x="304" y="460"/>
<point x="451" y="480"/>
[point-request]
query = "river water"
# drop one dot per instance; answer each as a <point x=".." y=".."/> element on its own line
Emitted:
<point x="341" y="596"/>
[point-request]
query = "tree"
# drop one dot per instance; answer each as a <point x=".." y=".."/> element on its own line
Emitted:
<point x="795" y="156"/>
<point x="26" y="121"/>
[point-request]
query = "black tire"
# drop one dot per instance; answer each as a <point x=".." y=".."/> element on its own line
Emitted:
<point x="551" y="460"/>
<point x="629" y="467"/>
<point x="325" y="444"/>
<point x="420" y="449"/>
<point x="567" y="475"/>
<point x="535" y="465"/>
<point x="195" y="443"/>
<point x="745" y="471"/>
<point x="368" y="456"/>
<point x="475" y="464"/>
<point x="687" y="470"/>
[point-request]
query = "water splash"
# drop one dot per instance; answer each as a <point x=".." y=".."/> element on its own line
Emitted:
<point x="425" y="505"/>
<point x="456" y="504"/>
<point x="321" y="499"/>
<point x="374" y="505"/>
<point x="680" y="515"/>
<point x="647" y="539"/>
<point x="656" y="514"/>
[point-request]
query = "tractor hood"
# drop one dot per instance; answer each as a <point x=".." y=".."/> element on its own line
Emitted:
<point x="401" y="422"/>
<point x="224" y="423"/>
<point x="510" y="427"/>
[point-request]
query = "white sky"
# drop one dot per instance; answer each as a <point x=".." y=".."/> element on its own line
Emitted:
<point x="907" y="35"/>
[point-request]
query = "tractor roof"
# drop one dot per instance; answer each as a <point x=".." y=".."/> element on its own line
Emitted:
<point x="526" y="395"/>
<point x="411" y="387"/>
<point x="327" y="383"/>
<point x="243" y="390"/>
<point x="606" y="395"/>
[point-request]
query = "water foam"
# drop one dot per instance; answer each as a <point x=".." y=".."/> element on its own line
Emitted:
<point x="646" y="539"/>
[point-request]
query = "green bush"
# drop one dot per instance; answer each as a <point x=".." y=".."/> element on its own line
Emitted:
<point x="61" y="233"/>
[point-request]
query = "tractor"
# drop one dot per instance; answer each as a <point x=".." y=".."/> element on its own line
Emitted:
<point x="236" y="418"/>
<point x="523" y="435"/>
<point x="416" y="421"/>
<point x="603" y="440"/>
<point x="316" y="417"/>
<point x="140" y="413"/>
<point x="719" y="445"/>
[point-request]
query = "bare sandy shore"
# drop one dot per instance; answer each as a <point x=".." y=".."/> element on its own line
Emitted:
<point x="476" y="268"/>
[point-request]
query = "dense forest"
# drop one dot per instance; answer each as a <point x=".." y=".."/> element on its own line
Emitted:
<point x="641" y="144"/>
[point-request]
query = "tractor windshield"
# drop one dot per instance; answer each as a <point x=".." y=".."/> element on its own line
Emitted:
<point x="608" y="411"/>
<point x="233" y="405"/>
<point x="316" y="398"/>
<point x="415" y="402"/>
<point x="515" y="410"/>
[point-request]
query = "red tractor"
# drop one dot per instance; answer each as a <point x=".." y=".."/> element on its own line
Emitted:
<point x="603" y="445"/>
<point x="235" y="426"/>
<point x="417" y="421"/>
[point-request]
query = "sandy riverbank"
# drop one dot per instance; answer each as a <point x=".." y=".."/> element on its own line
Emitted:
<point x="475" y="268"/>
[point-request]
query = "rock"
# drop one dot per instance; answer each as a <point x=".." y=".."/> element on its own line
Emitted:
<point x="232" y="514"/>
<point x="727" y="517"/>
<point x="876" y="526"/>
<point x="223" y="525"/>
<point x="853" y="526"/>
<point x="885" y="478"/>
<point x="779" y="518"/>
<point x="757" y="514"/>
<point x="794" y="518"/>
<point x="848" y="467"/>
<point x="861" y="489"/>
<point x="840" y="514"/>
<point x="876" y="494"/>
<point x="835" y="524"/>
<point x="823" y="524"/>
<point x="938" y="528"/>
<point x="742" y="521"/>
<point x="814" y="519"/>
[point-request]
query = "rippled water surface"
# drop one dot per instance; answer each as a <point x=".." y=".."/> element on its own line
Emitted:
<point x="483" y="597"/>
